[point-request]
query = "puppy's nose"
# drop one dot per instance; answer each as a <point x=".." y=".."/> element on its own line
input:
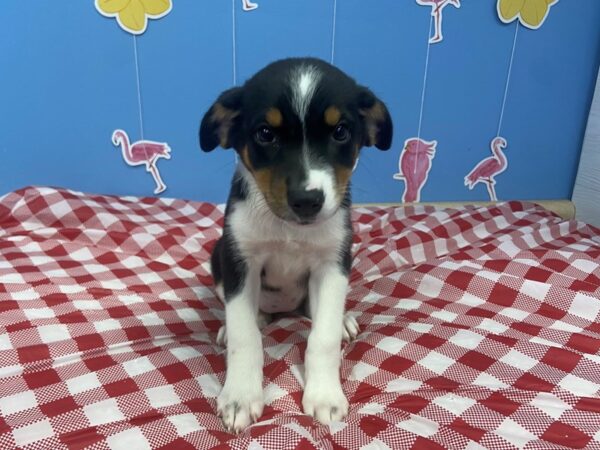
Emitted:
<point x="306" y="204"/>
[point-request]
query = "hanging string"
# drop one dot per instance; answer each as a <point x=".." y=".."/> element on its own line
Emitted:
<point x="424" y="88"/>
<point x="510" y="65"/>
<point x="234" y="58"/>
<point x="139" y="90"/>
<point x="333" y="30"/>
<point x="233" y="42"/>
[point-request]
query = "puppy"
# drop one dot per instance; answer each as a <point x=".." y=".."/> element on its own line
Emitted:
<point x="298" y="126"/>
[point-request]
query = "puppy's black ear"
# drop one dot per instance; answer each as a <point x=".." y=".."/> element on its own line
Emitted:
<point x="220" y="122"/>
<point x="378" y="123"/>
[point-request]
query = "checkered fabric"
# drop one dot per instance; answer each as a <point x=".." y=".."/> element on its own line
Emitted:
<point x="479" y="329"/>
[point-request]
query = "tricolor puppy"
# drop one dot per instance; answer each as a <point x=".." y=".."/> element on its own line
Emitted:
<point x="298" y="126"/>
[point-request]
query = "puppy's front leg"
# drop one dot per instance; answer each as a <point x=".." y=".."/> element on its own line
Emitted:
<point x="241" y="401"/>
<point x="323" y="396"/>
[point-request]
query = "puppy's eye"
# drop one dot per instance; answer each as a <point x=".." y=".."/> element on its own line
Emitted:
<point x="264" y="135"/>
<point x="341" y="133"/>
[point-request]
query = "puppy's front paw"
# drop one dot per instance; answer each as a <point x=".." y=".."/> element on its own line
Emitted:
<point x="326" y="402"/>
<point x="240" y="406"/>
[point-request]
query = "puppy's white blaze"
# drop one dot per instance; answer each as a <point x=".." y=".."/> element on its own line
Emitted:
<point x="304" y="83"/>
<point x="316" y="179"/>
<point x="322" y="180"/>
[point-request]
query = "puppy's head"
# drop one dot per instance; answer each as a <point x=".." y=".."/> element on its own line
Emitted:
<point x="298" y="126"/>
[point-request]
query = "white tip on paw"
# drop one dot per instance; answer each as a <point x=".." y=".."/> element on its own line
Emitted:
<point x="239" y="407"/>
<point x="325" y="402"/>
<point x="351" y="327"/>
<point x="220" y="292"/>
<point x="222" y="336"/>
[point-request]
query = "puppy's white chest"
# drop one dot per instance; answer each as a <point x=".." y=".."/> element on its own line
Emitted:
<point x="284" y="254"/>
<point x="284" y="278"/>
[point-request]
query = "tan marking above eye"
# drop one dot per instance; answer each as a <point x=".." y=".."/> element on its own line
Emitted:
<point x="332" y="116"/>
<point x="274" y="117"/>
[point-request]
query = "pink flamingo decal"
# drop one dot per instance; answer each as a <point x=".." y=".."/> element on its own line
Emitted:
<point x="415" y="164"/>
<point x="143" y="153"/>
<point x="437" y="8"/>
<point x="488" y="168"/>
<point x="247" y="5"/>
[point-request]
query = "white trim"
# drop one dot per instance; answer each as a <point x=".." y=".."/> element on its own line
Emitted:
<point x="586" y="194"/>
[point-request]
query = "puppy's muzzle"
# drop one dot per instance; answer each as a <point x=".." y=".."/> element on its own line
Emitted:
<point x="305" y="204"/>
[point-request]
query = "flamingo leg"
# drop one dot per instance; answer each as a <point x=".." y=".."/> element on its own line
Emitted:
<point x="437" y="19"/>
<point x="491" y="190"/>
<point x="160" y="186"/>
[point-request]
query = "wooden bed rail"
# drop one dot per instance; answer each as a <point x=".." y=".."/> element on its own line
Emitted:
<point x="564" y="208"/>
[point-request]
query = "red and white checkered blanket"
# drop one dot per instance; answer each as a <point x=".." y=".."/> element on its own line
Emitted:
<point x="479" y="329"/>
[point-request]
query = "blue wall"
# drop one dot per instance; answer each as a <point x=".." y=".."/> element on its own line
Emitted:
<point x="67" y="80"/>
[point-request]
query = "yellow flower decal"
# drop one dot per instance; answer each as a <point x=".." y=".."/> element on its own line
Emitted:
<point x="133" y="15"/>
<point x="531" y="13"/>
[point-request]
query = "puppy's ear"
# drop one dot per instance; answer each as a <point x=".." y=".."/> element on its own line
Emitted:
<point x="220" y="122"/>
<point x="378" y="123"/>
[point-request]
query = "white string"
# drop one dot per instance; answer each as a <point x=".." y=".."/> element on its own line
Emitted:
<point x="233" y="41"/>
<point x="233" y="55"/>
<point x="333" y="30"/>
<point x="139" y="90"/>
<point x="510" y="65"/>
<point x="424" y="87"/>
<point x="425" y="78"/>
